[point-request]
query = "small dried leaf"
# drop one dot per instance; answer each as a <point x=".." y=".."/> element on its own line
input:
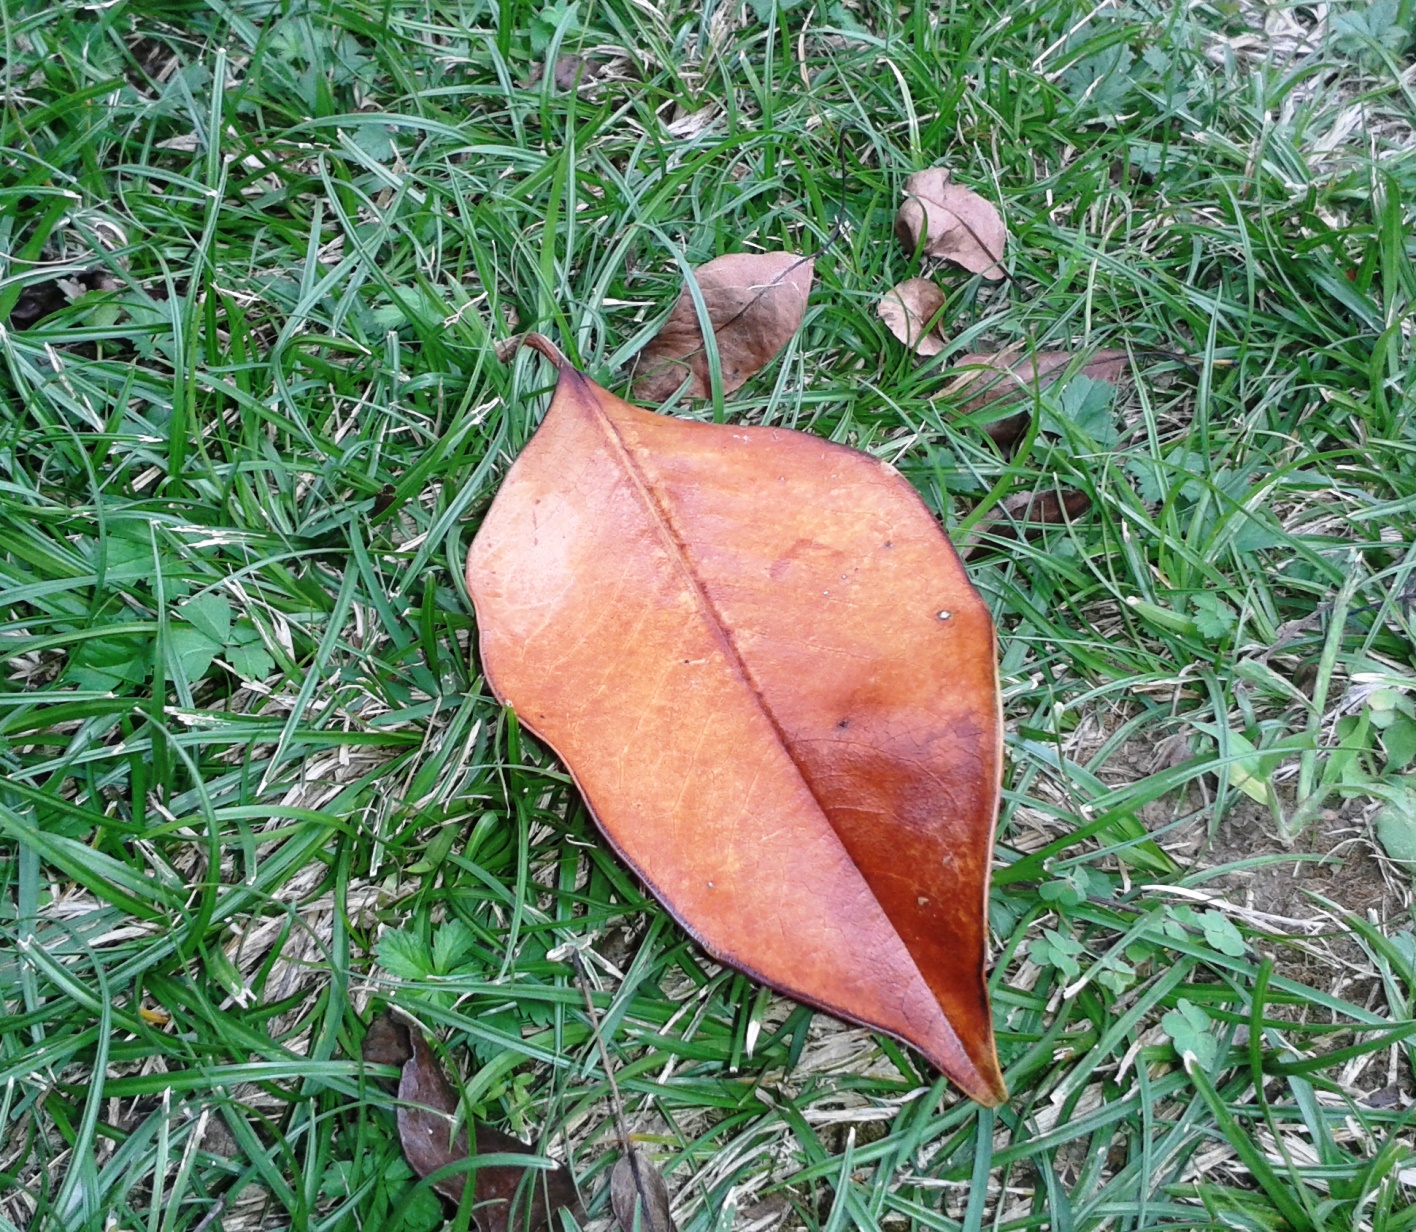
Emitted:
<point x="988" y="378"/>
<point x="569" y="72"/>
<point x="573" y="71"/>
<point x="505" y="349"/>
<point x="428" y="1124"/>
<point x="1009" y="375"/>
<point x="952" y="222"/>
<point x="503" y="1192"/>
<point x="386" y="1041"/>
<point x="639" y="1196"/>
<point x="1006" y="432"/>
<point x="755" y="303"/>
<point x="505" y="1198"/>
<point x="1033" y="510"/>
<point x="908" y="311"/>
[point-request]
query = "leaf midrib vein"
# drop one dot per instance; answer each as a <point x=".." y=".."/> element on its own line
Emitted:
<point x="679" y="552"/>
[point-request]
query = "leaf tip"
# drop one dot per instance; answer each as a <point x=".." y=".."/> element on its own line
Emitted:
<point x="507" y="348"/>
<point x="993" y="1092"/>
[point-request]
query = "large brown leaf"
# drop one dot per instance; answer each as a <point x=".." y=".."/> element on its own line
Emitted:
<point x="766" y="670"/>
<point x="506" y="1198"/>
<point x="755" y="302"/>
<point x="952" y="222"/>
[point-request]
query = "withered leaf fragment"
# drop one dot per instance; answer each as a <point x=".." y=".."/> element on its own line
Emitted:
<point x="755" y="302"/>
<point x="908" y="311"/>
<point x="985" y="379"/>
<point x="505" y="1198"/>
<point x="952" y="222"/>
<point x="766" y="669"/>
<point x="1026" y="513"/>
<point x="1009" y="375"/>
<point x="638" y="1195"/>
<point x="505" y="349"/>
<point x="570" y="71"/>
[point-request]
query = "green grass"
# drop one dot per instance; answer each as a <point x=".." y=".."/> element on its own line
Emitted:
<point x="253" y="784"/>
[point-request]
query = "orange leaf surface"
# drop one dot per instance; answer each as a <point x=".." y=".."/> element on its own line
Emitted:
<point x="766" y="669"/>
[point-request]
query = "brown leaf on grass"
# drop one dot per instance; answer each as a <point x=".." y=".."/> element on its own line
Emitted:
<point x="505" y="349"/>
<point x="755" y="303"/>
<point x="1025" y="514"/>
<point x="569" y="72"/>
<point x="506" y="1198"/>
<point x="910" y="307"/>
<point x="985" y="379"/>
<point x="767" y="672"/>
<point x="952" y="222"/>
<point x="387" y="1041"/>
<point x="988" y="378"/>
<point x="638" y="1195"/>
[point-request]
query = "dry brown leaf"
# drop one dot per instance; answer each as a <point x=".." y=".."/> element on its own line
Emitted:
<point x="506" y="1198"/>
<point x="988" y="378"/>
<point x="505" y="349"/>
<point x="1010" y="374"/>
<point x="387" y="1042"/>
<point x="766" y="670"/>
<point x="638" y="1195"/>
<point x="952" y="222"/>
<point x="569" y="73"/>
<point x="908" y="311"/>
<point x="1026" y="513"/>
<point x="755" y="303"/>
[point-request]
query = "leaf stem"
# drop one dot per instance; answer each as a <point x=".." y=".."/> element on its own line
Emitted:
<point x="621" y="1125"/>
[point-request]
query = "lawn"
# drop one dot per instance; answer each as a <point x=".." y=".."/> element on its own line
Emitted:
<point x="256" y="259"/>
